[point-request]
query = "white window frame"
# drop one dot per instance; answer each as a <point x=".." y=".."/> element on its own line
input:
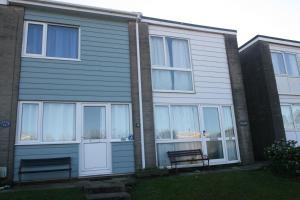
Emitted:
<point x="40" y="124"/>
<point x="168" y="68"/>
<point x="44" y="41"/>
<point x="201" y="126"/>
<point x="77" y="125"/>
<point x="285" y="65"/>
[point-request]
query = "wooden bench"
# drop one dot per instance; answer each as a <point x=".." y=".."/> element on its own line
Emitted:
<point x="44" y="165"/>
<point x="187" y="156"/>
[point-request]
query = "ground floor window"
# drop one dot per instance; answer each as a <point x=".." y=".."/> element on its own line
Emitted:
<point x="52" y="122"/>
<point x="184" y="127"/>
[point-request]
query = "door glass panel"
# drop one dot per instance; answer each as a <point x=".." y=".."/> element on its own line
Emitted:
<point x="211" y="122"/>
<point x="228" y="122"/>
<point x="94" y="122"/>
<point x="215" y="149"/>
<point x="231" y="150"/>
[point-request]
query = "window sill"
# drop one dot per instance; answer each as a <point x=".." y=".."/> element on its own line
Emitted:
<point x="50" y="58"/>
<point x="44" y="143"/>
<point x="175" y="91"/>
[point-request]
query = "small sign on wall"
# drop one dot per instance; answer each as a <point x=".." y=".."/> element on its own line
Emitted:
<point x="4" y="123"/>
<point x="243" y="123"/>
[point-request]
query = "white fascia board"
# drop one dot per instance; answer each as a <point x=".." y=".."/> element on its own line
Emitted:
<point x="187" y="27"/>
<point x="76" y="7"/>
<point x="270" y="40"/>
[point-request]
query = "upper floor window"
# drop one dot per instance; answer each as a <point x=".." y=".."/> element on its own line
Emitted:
<point x="171" y="64"/>
<point x="50" y="40"/>
<point x="285" y="63"/>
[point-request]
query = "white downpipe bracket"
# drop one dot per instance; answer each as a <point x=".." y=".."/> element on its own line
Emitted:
<point x="140" y="90"/>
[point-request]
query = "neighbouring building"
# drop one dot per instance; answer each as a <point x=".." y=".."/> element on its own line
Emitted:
<point x="115" y="90"/>
<point x="271" y="71"/>
<point x="196" y="99"/>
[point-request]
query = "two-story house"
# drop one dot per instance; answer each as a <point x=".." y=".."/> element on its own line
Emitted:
<point x="114" y="91"/>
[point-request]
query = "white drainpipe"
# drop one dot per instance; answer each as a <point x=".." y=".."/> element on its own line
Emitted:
<point x="140" y="90"/>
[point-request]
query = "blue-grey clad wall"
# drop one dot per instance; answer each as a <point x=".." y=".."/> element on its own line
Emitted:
<point x="103" y="74"/>
<point x="122" y="157"/>
<point x="46" y="151"/>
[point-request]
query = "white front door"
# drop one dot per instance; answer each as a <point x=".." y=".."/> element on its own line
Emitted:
<point x="95" y="148"/>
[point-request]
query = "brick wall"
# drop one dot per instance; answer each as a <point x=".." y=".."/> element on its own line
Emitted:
<point x="11" y="28"/>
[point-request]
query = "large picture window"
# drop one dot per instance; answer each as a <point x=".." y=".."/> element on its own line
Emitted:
<point x="51" y="41"/>
<point x="186" y="127"/>
<point x="285" y="63"/>
<point x="58" y="122"/>
<point x="171" y="64"/>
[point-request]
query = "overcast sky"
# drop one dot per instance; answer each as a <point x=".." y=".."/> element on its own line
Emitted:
<point x="278" y="18"/>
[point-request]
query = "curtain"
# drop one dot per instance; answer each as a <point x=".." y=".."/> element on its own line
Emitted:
<point x="162" y="80"/>
<point x="162" y="122"/>
<point x="58" y="122"/>
<point x="183" y="81"/>
<point x="291" y="64"/>
<point x="231" y="150"/>
<point x="278" y="63"/>
<point x="120" y="121"/>
<point x="29" y="122"/>
<point x="34" y="39"/>
<point x="157" y="51"/>
<point x="228" y="122"/>
<point x="287" y="117"/>
<point x="185" y="122"/>
<point x="211" y="122"/>
<point x="296" y="115"/>
<point x="62" y="42"/>
<point x="215" y="149"/>
<point x="178" y="53"/>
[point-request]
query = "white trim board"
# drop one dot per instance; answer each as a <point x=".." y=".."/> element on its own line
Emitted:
<point x="188" y="27"/>
<point x="270" y="40"/>
<point x="76" y="7"/>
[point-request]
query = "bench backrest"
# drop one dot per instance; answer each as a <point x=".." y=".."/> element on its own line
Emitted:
<point x="45" y="162"/>
<point x="194" y="152"/>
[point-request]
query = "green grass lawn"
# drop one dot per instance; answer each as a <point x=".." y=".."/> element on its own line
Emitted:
<point x="55" y="194"/>
<point x="252" y="185"/>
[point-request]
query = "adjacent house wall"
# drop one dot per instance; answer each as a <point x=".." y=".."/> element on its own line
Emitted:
<point x="262" y="97"/>
<point x="210" y="68"/>
<point x="11" y="27"/>
<point x="288" y="87"/>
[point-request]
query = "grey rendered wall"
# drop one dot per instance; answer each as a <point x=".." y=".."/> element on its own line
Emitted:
<point x="11" y="27"/>
<point x="102" y="74"/>
<point x="262" y="97"/>
<point x="46" y="151"/>
<point x="122" y="157"/>
<point x="149" y="138"/>
<point x="239" y="100"/>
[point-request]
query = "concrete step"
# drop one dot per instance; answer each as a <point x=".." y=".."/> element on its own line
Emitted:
<point x="108" y="196"/>
<point x="103" y="187"/>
